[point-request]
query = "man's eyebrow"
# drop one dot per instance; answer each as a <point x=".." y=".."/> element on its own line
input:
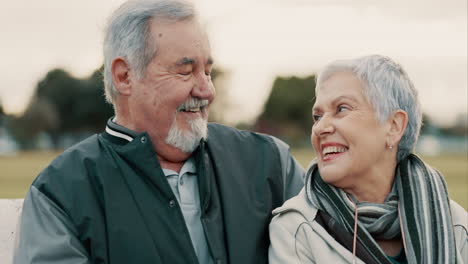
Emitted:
<point x="185" y="61"/>
<point x="190" y="61"/>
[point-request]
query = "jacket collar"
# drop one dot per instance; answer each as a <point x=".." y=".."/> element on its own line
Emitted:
<point x="118" y="131"/>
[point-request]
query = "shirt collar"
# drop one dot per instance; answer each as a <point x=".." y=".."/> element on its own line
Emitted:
<point x="188" y="167"/>
<point x="116" y="130"/>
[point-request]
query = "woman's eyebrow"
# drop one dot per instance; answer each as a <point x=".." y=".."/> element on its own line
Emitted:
<point x="344" y="97"/>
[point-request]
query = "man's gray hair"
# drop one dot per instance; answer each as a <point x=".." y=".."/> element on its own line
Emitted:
<point x="388" y="88"/>
<point x="128" y="34"/>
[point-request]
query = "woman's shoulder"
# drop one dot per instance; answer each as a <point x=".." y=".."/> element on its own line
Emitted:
<point x="460" y="221"/>
<point x="459" y="215"/>
<point x="460" y="229"/>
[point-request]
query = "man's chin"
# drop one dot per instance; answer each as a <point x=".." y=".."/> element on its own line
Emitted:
<point x="187" y="136"/>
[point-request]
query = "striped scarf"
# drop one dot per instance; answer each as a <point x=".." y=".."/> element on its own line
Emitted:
<point x="424" y="209"/>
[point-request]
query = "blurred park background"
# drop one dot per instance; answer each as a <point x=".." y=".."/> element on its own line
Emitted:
<point x="267" y="55"/>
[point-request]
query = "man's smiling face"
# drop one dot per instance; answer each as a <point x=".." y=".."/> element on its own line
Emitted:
<point x="176" y="89"/>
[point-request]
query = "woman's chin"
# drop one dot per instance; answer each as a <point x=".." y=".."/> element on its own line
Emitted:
<point x="332" y="176"/>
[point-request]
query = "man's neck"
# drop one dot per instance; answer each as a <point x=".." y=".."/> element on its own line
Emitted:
<point x="169" y="157"/>
<point x="174" y="166"/>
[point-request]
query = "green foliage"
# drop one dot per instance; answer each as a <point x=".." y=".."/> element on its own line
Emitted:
<point x="63" y="104"/>
<point x="2" y="113"/>
<point x="40" y="116"/>
<point x="79" y="104"/>
<point x="287" y="112"/>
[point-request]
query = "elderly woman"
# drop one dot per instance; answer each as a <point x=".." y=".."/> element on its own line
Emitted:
<point x="368" y="198"/>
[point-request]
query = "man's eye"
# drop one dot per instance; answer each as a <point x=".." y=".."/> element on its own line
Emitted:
<point x="208" y="74"/>
<point x="184" y="73"/>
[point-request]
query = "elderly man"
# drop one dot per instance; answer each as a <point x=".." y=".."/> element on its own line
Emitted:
<point x="160" y="185"/>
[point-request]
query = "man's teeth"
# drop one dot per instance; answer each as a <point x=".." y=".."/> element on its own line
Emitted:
<point x="196" y="109"/>
<point x="333" y="149"/>
<point x="193" y="109"/>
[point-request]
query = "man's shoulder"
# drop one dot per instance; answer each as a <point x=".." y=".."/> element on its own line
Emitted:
<point x="218" y="131"/>
<point x="297" y="206"/>
<point x="224" y="129"/>
<point x="88" y="148"/>
<point x="72" y="161"/>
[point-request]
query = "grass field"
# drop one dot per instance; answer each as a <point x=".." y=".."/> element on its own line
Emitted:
<point x="17" y="172"/>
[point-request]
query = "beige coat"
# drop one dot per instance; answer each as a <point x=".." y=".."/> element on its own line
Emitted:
<point x="297" y="238"/>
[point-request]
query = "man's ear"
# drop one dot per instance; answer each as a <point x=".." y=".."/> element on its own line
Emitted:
<point x="397" y="121"/>
<point x="121" y="76"/>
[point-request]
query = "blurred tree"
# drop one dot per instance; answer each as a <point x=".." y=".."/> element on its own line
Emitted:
<point x="92" y="111"/>
<point x="427" y="127"/>
<point x="80" y="103"/>
<point x="2" y="116"/>
<point x="2" y="113"/>
<point x="458" y="128"/>
<point x="40" y="116"/>
<point x="221" y="104"/>
<point x="287" y="112"/>
<point x="62" y="105"/>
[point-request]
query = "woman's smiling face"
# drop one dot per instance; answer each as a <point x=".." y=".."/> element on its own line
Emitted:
<point x="349" y="141"/>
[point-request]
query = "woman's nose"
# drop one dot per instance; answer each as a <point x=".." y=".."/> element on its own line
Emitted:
<point x="323" y="126"/>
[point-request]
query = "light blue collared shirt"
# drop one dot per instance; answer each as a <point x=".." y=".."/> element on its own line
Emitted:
<point x="184" y="185"/>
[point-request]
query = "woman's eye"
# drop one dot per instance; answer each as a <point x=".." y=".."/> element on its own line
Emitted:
<point x="316" y="118"/>
<point x="342" y="108"/>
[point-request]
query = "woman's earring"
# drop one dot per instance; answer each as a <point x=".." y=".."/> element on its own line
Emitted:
<point x="389" y="146"/>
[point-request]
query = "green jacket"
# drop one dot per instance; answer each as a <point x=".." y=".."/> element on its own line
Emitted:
<point x="107" y="200"/>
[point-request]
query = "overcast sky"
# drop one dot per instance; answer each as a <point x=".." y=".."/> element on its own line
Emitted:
<point x="255" y="41"/>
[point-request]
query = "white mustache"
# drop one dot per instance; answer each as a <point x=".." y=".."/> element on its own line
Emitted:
<point x="192" y="102"/>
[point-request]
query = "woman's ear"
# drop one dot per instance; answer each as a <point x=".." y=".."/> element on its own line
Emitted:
<point x="397" y="121"/>
<point x="121" y="76"/>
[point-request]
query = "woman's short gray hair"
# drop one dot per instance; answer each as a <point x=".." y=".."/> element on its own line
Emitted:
<point x="388" y="88"/>
<point x="128" y="34"/>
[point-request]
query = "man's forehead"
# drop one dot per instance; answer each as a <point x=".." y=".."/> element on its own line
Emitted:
<point x="162" y="27"/>
<point x="184" y="42"/>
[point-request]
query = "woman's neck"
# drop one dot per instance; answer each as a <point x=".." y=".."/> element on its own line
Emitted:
<point x="374" y="186"/>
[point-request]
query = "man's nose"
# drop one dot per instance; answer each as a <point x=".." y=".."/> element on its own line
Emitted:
<point x="203" y="87"/>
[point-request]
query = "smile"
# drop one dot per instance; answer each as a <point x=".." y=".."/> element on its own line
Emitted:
<point x="193" y="109"/>
<point x="193" y="105"/>
<point x="332" y="152"/>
